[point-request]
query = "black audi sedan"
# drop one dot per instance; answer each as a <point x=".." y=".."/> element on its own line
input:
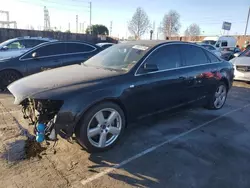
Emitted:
<point x="95" y="101"/>
<point x="43" y="57"/>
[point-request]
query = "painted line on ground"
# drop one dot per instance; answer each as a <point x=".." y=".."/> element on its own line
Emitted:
<point x="151" y="149"/>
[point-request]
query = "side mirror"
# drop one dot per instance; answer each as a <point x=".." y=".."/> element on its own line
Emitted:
<point x="34" y="55"/>
<point x="150" y="67"/>
<point x="237" y="54"/>
<point x="217" y="45"/>
<point x="5" y="48"/>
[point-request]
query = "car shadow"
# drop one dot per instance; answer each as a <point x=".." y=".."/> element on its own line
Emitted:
<point x="23" y="147"/>
<point x="174" y="157"/>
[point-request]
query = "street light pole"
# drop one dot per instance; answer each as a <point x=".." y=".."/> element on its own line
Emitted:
<point x="90" y="16"/>
<point x="247" y="21"/>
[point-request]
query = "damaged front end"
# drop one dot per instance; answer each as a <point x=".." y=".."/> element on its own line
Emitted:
<point x="42" y="114"/>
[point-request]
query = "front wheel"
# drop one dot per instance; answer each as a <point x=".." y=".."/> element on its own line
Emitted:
<point x="218" y="98"/>
<point x="101" y="127"/>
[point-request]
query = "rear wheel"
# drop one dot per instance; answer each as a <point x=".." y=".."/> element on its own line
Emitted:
<point x="218" y="99"/>
<point x="7" y="77"/>
<point x="101" y="127"/>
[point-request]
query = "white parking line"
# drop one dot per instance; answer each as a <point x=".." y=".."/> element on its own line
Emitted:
<point x="110" y="169"/>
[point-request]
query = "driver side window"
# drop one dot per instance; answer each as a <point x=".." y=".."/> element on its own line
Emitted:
<point x="15" y="45"/>
<point x="165" y="57"/>
<point x="48" y="51"/>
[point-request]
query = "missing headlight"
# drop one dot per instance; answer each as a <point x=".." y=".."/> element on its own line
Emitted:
<point x="42" y="114"/>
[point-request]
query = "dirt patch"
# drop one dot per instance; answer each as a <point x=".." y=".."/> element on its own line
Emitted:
<point x="33" y="149"/>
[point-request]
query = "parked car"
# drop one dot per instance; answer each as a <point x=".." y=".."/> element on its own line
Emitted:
<point x="17" y="46"/>
<point x="221" y="42"/>
<point x="230" y="53"/>
<point x="119" y="85"/>
<point x="242" y="66"/>
<point x="105" y="45"/>
<point x="43" y="57"/>
<point x="211" y="48"/>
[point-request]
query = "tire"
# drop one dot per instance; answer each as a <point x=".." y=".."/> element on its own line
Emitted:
<point x="100" y="126"/>
<point x="7" y="77"/>
<point x="212" y="104"/>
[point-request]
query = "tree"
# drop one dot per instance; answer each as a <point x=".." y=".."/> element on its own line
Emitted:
<point x="139" y="23"/>
<point x="171" y="23"/>
<point x="97" y="30"/>
<point x="193" y="31"/>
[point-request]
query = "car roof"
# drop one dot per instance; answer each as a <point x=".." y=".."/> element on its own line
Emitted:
<point x="153" y="43"/>
<point x="35" y="38"/>
<point x="104" y="43"/>
<point x="60" y="41"/>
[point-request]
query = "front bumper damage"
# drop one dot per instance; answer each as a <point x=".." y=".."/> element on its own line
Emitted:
<point x="43" y="115"/>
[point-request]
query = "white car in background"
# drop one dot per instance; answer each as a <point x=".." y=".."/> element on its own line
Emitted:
<point x="17" y="46"/>
<point x="242" y="66"/>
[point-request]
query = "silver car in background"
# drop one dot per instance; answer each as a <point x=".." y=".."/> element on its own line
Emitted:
<point x="105" y="45"/>
<point x="242" y="66"/>
<point x="211" y="48"/>
<point x="17" y="46"/>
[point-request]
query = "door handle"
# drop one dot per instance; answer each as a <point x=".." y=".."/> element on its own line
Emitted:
<point x="45" y="68"/>
<point x="214" y="71"/>
<point x="182" y="78"/>
<point x="191" y="78"/>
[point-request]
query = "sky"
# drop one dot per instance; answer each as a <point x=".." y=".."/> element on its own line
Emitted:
<point x="208" y="14"/>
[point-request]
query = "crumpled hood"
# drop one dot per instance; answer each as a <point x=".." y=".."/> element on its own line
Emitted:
<point x="241" y="61"/>
<point x="56" y="78"/>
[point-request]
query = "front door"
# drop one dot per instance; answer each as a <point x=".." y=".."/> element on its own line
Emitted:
<point x="46" y="57"/>
<point x="163" y="89"/>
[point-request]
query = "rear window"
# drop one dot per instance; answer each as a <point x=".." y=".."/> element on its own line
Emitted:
<point x="193" y="55"/>
<point x="79" y="48"/>
<point x="212" y="57"/>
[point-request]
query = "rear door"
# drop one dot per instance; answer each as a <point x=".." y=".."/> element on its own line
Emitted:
<point x="31" y="43"/>
<point x="201" y="71"/>
<point x="47" y="57"/>
<point x="77" y="53"/>
<point x="162" y="89"/>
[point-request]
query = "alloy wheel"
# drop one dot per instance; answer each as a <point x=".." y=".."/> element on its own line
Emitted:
<point x="220" y="96"/>
<point x="104" y="127"/>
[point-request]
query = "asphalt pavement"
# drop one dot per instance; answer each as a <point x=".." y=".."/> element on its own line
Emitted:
<point x="193" y="147"/>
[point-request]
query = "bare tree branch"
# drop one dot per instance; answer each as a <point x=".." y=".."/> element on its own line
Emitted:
<point x="171" y="23"/>
<point x="193" y="31"/>
<point x="139" y="23"/>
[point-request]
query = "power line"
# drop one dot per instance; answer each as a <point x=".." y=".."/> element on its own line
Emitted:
<point x="54" y="7"/>
<point x="53" y="2"/>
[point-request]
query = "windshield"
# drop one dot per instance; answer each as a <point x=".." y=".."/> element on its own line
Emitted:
<point x="119" y="57"/>
<point x="212" y="42"/>
<point x="5" y="43"/>
<point x="246" y="53"/>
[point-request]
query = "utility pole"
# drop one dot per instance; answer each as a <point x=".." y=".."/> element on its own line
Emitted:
<point x="170" y="27"/>
<point x="110" y="29"/>
<point x="76" y="23"/>
<point x="247" y="21"/>
<point x="69" y="26"/>
<point x="83" y="31"/>
<point x="90" y="16"/>
<point x="154" y="30"/>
